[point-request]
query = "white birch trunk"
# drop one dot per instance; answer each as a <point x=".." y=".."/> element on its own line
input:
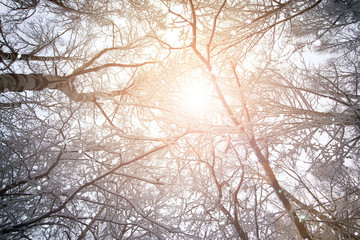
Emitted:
<point x="38" y="82"/>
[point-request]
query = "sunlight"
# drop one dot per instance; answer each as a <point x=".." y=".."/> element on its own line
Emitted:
<point x="194" y="102"/>
<point x="174" y="37"/>
<point x="196" y="96"/>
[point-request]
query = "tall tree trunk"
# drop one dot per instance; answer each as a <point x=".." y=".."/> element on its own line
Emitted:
<point x="264" y="161"/>
<point x="36" y="82"/>
<point x="278" y="189"/>
<point x="5" y="56"/>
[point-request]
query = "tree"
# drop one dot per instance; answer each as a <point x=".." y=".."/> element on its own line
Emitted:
<point x="181" y="119"/>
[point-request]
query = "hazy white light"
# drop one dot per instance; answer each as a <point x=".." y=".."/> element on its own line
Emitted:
<point x="174" y="37"/>
<point x="195" y="102"/>
<point x="38" y="188"/>
<point x="248" y="21"/>
<point x="317" y="43"/>
<point x="215" y="71"/>
<point x="195" y="96"/>
<point x="233" y="32"/>
<point x="19" y="56"/>
<point x="348" y="162"/>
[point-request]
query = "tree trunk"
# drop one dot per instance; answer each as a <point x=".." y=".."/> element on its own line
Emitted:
<point x="37" y="82"/>
<point x="4" y="56"/>
<point x="278" y="190"/>
<point x="34" y="82"/>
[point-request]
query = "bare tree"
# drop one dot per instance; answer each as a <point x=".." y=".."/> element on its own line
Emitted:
<point x="180" y="119"/>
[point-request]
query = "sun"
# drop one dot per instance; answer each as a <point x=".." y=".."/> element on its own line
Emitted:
<point x="196" y="96"/>
<point x="195" y="102"/>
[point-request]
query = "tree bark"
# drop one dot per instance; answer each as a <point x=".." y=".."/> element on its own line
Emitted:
<point x="278" y="190"/>
<point x="34" y="82"/>
<point x="5" y="56"/>
<point x="37" y="82"/>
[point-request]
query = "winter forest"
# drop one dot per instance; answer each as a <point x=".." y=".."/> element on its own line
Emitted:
<point x="180" y="119"/>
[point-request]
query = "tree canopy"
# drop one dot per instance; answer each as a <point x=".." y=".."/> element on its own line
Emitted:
<point x="180" y="119"/>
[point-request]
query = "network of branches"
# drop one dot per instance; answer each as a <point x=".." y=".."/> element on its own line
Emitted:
<point x="182" y="119"/>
